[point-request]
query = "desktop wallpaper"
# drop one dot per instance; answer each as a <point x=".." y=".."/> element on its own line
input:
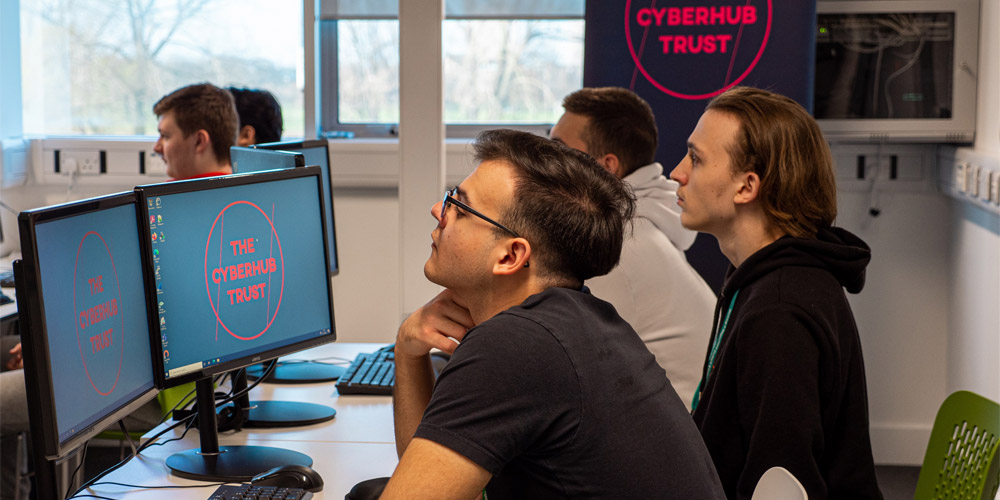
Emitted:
<point x="239" y="270"/>
<point x="95" y="314"/>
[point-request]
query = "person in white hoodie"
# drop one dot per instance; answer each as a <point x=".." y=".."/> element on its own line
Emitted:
<point x="654" y="287"/>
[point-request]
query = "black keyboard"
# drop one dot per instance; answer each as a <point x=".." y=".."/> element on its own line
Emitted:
<point x="249" y="491"/>
<point x="369" y="373"/>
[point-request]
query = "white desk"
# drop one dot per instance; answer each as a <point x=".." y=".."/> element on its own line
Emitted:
<point x="356" y="445"/>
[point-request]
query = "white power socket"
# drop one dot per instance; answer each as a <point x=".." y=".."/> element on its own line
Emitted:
<point x="155" y="164"/>
<point x="80" y="162"/>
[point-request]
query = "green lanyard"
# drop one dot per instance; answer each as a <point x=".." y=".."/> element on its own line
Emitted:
<point x="715" y="349"/>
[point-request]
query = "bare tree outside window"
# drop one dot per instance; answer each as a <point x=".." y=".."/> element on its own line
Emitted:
<point x="495" y="71"/>
<point x="98" y="66"/>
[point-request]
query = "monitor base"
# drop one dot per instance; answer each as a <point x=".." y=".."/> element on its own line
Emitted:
<point x="233" y="464"/>
<point x="298" y="372"/>
<point x="264" y="414"/>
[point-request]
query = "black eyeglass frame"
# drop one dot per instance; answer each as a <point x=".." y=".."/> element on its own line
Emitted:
<point x="449" y="197"/>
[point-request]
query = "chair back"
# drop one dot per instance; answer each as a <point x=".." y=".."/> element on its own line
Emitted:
<point x="962" y="461"/>
<point x="779" y="484"/>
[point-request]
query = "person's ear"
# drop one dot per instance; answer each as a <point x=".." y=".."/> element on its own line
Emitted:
<point x="202" y="141"/>
<point x="748" y="188"/>
<point x="612" y="164"/>
<point x="247" y="136"/>
<point x="514" y="255"/>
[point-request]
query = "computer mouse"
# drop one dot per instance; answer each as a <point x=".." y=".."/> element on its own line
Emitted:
<point x="290" y="476"/>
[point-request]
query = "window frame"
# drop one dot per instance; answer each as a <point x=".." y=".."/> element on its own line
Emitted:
<point x="328" y="124"/>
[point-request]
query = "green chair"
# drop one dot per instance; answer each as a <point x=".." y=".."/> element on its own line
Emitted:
<point x="963" y="456"/>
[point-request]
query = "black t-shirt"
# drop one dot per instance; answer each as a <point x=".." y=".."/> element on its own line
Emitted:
<point x="558" y="398"/>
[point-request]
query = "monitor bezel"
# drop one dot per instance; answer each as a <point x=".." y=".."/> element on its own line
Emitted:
<point x="961" y="127"/>
<point x="34" y="330"/>
<point x="314" y="143"/>
<point x="145" y="192"/>
<point x="298" y="160"/>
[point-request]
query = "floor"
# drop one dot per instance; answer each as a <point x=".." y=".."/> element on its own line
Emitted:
<point x="898" y="482"/>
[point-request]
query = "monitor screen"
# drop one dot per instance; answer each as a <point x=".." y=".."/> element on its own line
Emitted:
<point x="246" y="160"/>
<point x="82" y="304"/>
<point x="239" y="266"/>
<point x="316" y="153"/>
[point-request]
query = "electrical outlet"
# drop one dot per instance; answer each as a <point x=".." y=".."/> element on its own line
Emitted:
<point x="995" y="188"/>
<point x="972" y="180"/>
<point x="960" y="176"/>
<point x="80" y="162"/>
<point x="154" y="164"/>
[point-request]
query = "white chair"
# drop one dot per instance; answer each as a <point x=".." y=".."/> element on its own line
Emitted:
<point x="779" y="484"/>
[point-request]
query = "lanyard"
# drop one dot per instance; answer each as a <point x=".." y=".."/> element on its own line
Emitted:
<point x="716" y="343"/>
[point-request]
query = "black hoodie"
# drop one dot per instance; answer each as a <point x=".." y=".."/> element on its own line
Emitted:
<point x="788" y="385"/>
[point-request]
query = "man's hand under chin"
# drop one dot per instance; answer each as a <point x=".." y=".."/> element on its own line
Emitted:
<point x="434" y="326"/>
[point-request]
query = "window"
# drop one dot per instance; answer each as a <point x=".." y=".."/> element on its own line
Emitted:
<point x="505" y="63"/>
<point x="98" y="66"/>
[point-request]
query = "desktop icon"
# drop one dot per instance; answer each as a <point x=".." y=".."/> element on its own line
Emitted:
<point x="159" y="219"/>
<point x="157" y="202"/>
<point x="166" y="354"/>
<point x="152" y="219"/>
<point x="163" y="321"/>
<point x="161" y="235"/>
<point x="156" y="252"/>
<point x="150" y="203"/>
<point x="163" y="336"/>
<point x="154" y="236"/>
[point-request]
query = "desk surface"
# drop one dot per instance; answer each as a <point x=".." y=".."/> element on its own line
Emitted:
<point x="356" y="445"/>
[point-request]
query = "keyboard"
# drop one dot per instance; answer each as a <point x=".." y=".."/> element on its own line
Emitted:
<point x="249" y="491"/>
<point x="370" y="373"/>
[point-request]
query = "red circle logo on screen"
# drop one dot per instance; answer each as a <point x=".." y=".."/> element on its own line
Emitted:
<point x="97" y="306"/>
<point x="243" y="260"/>
<point x="696" y="50"/>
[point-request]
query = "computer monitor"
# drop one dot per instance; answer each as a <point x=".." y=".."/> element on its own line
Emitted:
<point x="315" y="152"/>
<point x="246" y="160"/>
<point x="83" y="319"/>
<point x="239" y="266"/>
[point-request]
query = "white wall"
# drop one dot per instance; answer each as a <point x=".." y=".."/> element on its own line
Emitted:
<point x="974" y="234"/>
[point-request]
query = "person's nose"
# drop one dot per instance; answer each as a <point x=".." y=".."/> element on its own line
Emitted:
<point x="436" y="213"/>
<point x="679" y="173"/>
<point x="158" y="147"/>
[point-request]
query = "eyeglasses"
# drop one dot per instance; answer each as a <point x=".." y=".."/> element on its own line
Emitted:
<point x="449" y="197"/>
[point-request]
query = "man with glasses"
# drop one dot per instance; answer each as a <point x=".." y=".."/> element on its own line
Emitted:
<point x="549" y="393"/>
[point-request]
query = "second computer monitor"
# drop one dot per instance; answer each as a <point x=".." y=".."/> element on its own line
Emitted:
<point x="83" y="317"/>
<point x="316" y="152"/>
<point x="239" y="267"/>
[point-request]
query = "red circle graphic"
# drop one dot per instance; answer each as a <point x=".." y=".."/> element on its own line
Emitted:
<point x="121" y="315"/>
<point x="680" y="95"/>
<point x="208" y="287"/>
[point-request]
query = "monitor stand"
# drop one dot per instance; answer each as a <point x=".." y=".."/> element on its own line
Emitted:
<point x="231" y="464"/>
<point x="298" y="372"/>
<point x="277" y="413"/>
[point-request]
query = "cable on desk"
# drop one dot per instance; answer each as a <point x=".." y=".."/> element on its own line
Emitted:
<point x="188" y="420"/>
<point x="163" y="487"/>
<point x="72" y="477"/>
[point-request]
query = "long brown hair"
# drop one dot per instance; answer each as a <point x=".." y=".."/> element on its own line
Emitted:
<point x="780" y="142"/>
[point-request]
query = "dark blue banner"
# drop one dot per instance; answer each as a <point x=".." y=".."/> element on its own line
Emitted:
<point x="678" y="54"/>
